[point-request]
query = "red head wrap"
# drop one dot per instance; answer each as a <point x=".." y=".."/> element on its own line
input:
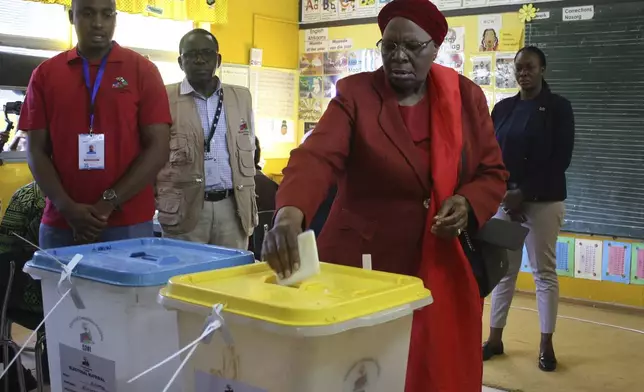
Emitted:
<point x="422" y="12"/>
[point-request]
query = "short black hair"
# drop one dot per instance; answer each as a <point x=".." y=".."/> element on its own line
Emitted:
<point x="258" y="153"/>
<point x="533" y="50"/>
<point x="203" y="32"/>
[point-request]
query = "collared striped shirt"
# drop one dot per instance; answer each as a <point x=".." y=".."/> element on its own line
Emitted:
<point x="207" y="107"/>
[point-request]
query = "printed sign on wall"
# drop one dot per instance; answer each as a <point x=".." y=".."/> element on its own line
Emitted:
<point x="588" y="259"/>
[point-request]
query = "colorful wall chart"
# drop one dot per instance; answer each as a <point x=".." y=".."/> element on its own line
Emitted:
<point x="565" y="251"/>
<point x="616" y="262"/>
<point x="637" y="264"/>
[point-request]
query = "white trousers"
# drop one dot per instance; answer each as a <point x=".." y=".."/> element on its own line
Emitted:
<point x="544" y="221"/>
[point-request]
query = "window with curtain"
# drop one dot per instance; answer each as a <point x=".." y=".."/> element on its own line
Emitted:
<point x="34" y="20"/>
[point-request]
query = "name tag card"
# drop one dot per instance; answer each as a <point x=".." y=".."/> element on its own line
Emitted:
<point x="91" y="152"/>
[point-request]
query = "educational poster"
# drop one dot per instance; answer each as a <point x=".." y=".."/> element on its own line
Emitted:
<point x="565" y="250"/>
<point x="330" y="10"/>
<point x="336" y="63"/>
<point x="274" y="99"/>
<point x="511" y="39"/>
<point x="311" y="87"/>
<point x="236" y="75"/>
<point x="310" y="109"/>
<point x="455" y="61"/>
<point x="637" y="264"/>
<point x="309" y="127"/>
<point x="347" y="9"/>
<point x="616" y="262"/>
<point x="329" y="85"/>
<point x="489" y="29"/>
<point x="454" y="40"/>
<point x="312" y="64"/>
<point x="356" y="61"/>
<point x="310" y="11"/>
<point x="316" y="40"/>
<point x="365" y="8"/>
<point x="588" y="259"/>
<point x="482" y="70"/>
<point x="276" y="130"/>
<point x="504" y="78"/>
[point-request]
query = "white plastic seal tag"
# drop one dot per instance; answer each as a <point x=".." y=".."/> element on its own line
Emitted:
<point x="214" y="322"/>
<point x="65" y="282"/>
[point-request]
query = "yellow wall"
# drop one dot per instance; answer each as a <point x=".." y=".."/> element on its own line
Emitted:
<point x="271" y="25"/>
<point x="12" y="177"/>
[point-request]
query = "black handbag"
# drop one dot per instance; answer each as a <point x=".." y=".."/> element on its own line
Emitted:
<point x="487" y="250"/>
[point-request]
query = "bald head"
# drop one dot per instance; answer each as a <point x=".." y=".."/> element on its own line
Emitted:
<point x="94" y="22"/>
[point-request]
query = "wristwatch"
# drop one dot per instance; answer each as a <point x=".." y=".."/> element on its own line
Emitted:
<point x="111" y="197"/>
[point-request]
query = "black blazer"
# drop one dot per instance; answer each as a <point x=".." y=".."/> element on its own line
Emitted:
<point x="548" y="157"/>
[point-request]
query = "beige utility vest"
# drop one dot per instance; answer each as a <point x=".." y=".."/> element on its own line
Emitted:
<point x="180" y="184"/>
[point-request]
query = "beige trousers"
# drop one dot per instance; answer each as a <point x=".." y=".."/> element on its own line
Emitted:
<point x="218" y="225"/>
<point x="544" y="221"/>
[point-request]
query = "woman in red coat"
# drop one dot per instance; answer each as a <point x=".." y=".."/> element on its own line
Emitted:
<point x="413" y="151"/>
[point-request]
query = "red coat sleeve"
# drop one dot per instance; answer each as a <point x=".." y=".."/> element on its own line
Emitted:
<point x="315" y="166"/>
<point x="486" y="188"/>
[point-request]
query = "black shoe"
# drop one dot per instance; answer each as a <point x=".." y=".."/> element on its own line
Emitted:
<point x="489" y="351"/>
<point x="547" y="363"/>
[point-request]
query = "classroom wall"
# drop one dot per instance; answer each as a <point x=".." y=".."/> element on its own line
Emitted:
<point x="269" y="25"/>
<point x="366" y="36"/>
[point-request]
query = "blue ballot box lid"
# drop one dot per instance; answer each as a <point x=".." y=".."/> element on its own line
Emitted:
<point x="141" y="262"/>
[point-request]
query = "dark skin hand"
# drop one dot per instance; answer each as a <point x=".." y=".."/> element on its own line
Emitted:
<point x="280" y="243"/>
<point x="451" y="218"/>
<point x="513" y="200"/>
<point x="84" y="219"/>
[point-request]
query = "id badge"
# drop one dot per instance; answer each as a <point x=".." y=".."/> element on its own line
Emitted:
<point x="91" y="152"/>
<point x="212" y="173"/>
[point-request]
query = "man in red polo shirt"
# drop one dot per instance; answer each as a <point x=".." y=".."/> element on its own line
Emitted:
<point x="98" y="123"/>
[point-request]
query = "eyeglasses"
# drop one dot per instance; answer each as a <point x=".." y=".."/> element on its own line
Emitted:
<point x="409" y="47"/>
<point x="205" y="54"/>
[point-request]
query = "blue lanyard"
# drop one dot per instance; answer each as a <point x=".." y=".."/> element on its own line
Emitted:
<point x="93" y="90"/>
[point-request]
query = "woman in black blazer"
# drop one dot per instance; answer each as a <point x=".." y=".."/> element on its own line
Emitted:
<point x="536" y="132"/>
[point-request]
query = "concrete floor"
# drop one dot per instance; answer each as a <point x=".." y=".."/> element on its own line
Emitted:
<point x="598" y="350"/>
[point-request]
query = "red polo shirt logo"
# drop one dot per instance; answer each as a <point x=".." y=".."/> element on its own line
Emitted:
<point x="131" y="96"/>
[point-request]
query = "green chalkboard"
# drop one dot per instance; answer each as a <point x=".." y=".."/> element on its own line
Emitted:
<point x="598" y="64"/>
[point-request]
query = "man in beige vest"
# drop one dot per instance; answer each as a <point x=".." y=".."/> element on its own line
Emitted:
<point x="206" y="192"/>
